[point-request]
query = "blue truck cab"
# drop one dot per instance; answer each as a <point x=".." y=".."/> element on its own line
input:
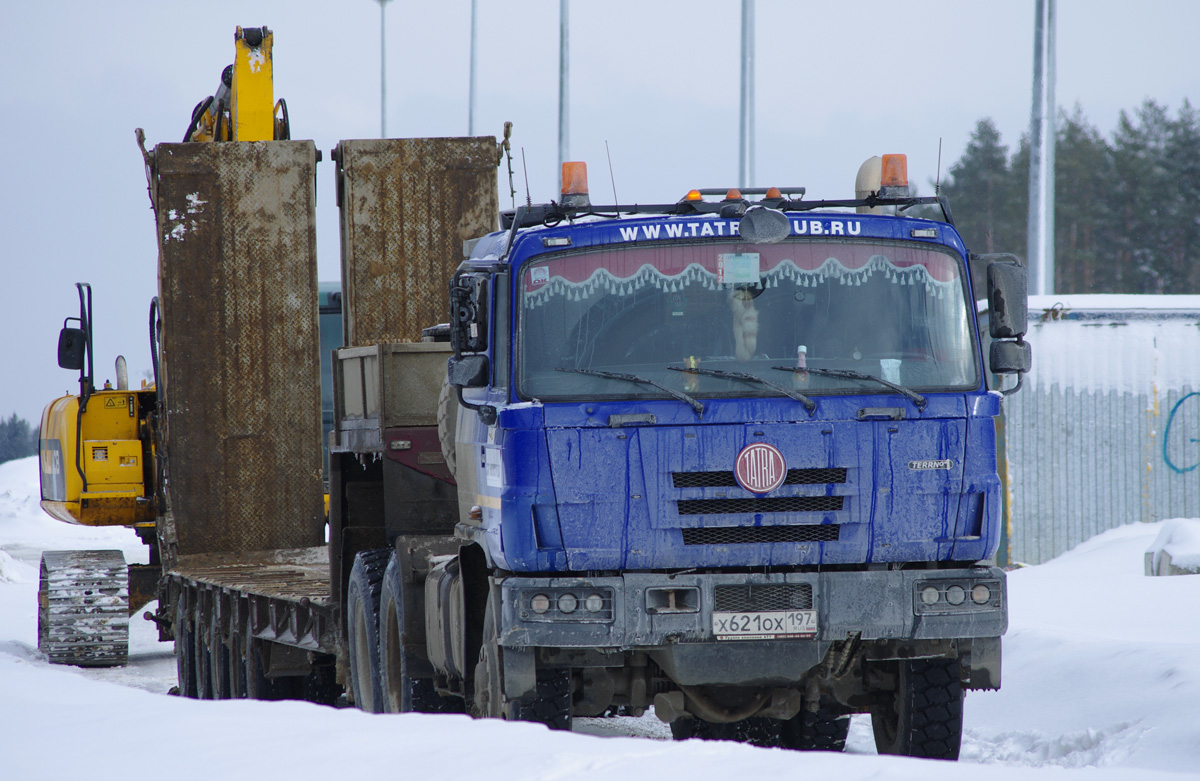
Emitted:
<point x="736" y="459"/>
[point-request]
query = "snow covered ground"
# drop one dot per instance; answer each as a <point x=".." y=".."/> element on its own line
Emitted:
<point x="1101" y="681"/>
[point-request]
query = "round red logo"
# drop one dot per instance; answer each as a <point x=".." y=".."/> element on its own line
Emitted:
<point x="760" y="468"/>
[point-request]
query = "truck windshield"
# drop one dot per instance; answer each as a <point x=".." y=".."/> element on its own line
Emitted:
<point x="892" y="310"/>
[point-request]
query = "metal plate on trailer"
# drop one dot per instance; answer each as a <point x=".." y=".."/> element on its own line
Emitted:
<point x="241" y="374"/>
<point x="407" y="206"/>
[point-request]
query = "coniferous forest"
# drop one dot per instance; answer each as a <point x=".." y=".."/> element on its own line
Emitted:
<point x="1127" y="208"/>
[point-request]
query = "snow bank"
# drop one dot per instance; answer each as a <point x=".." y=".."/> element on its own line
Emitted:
<point x="1176" y="549"/>
<point x="1101" y="681"/>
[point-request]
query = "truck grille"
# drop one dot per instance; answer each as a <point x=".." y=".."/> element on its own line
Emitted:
<point x="762" y="598"/>
<point x="721" y="479"/>
<point x="770" y="504"/>
<point x="751" y="535"/>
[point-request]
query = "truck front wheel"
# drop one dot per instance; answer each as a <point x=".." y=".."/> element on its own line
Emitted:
<point x="923" y="716"/>
<point x="551" y="704"/>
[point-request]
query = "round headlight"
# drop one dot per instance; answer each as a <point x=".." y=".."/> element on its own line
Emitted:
<point x="981" y="594"/>
<point x="567" y="603"/>
<point x="539" y="603"/>
<point x="956" y="595"/>
<point x="594" y="603"/>
<point x="929" y="595"/>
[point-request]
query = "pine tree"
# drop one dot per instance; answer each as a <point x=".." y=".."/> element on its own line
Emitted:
<point x="1084" y="261"/>
<point x="17" y="439"/>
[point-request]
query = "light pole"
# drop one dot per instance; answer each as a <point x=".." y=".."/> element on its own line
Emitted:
<point x="564" y="61"/>
<point x="382" y="71"/>
<point x="746" y="118"/>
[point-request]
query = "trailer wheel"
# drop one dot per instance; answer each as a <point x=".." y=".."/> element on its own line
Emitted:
<point x="824" y="730"/>
<point x="362" y="628"/>
<point x="203" y="669"/>
<point x="923" y="717"/>
<point x="447" y="425"/>
<point x="221" y="663"/>
<point x="403" y="691"/>
<point x="551" y="704"/>
<point x="185" y="647"/>
<point x="258" y="685"/>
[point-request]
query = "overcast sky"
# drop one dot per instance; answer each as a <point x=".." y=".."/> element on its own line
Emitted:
<point x="657" y="81"/>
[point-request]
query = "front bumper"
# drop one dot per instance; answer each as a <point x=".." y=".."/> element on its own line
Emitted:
<point x="638" y="610"/>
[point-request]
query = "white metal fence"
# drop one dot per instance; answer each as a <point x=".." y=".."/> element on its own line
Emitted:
<point x="1106" y="430"/>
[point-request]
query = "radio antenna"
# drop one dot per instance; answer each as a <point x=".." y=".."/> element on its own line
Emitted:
<point x="612" y="178"/>
<point x="937" y="183"/>
<point x="525" y="168"/>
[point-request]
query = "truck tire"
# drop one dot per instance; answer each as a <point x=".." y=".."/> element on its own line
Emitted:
<point x="551" y="704"/>
<point x="185" y="648"/>
<point x="923" y="717"/>
<point x="219" y="671"/>
<point x="824" y="730"/>
<point x="258" y="685"/>
<point x="447" y="424"/>
<point x="403" y="692"/>
<point x="362" y="628"/>
<point x="202" y="670"/>
<point x="756" y="731"/>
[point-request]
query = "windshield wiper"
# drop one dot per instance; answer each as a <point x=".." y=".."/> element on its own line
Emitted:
<point x="808" y="403"/>
<point x="851" y="374"/>
<point x="695" y="405"/>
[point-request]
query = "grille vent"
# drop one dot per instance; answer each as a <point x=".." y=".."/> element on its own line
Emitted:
<point x="770" y="504"/>
<point x="764" y="598"/>
<point x="751" y="535"/>
<point x="722" y="479"/>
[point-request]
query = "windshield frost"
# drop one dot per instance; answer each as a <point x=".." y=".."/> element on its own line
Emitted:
<point x="891" y="310"/>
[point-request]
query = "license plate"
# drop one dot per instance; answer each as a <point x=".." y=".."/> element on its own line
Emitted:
<point x="772" y="625"/>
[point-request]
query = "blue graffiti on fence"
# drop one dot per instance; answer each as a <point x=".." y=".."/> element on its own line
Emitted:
<point x="1182" y="435"/>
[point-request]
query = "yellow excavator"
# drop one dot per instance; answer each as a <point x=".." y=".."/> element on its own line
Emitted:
<point x="99" y="454"/>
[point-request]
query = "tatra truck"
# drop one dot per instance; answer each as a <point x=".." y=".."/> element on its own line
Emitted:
<point x="732" y="458"/>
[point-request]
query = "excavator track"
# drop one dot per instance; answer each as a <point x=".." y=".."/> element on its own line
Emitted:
<point x="83" y="608"/>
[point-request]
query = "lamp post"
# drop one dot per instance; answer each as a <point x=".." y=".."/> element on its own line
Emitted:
<point x="382" y="71"/>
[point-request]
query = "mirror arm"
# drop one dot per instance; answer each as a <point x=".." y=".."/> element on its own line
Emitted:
<point x="1017" y="387"/>
<point x="486" y="412"/>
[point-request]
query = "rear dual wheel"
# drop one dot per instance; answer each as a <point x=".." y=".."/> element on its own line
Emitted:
<point x="404" y="690"/>
<point x="362" y="628"/>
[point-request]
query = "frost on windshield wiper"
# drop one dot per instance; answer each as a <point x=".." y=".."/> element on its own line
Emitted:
<point x="693" y="403"/>
<point x="808" y="403"/>
<point x="851" y="374"/>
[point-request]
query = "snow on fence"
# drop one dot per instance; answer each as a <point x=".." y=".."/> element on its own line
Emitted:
<point x="1107" y="428"/>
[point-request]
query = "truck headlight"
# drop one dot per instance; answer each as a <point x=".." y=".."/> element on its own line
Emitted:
<point x="539" y="603"/>
<point x="567" y="603"/>
<point x="929" y="595"/>
<point x="981" y="594"/>
<point x="594" y="603"/>
<point x="956" y="595"/>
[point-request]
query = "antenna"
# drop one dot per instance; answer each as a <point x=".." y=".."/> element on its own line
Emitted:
<point x="611" y="177"/>
<point x="525" y="168"/>
<point x="937" y="183"/>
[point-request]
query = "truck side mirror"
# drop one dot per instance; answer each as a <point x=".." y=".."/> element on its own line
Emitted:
<point x="468" y="313"/>
<point x="468" y="371"/>
<point x="1010" y="357"/>
<point x="1008" y="298"/>
<point x="71" y="345"/>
